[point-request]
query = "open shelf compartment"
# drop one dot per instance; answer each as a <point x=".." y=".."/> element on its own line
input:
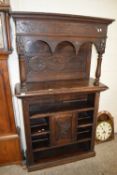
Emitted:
<point x="50" y="105"/>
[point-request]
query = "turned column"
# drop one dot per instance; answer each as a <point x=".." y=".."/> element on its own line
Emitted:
<point x="22" y="70"/>
<point x="98" y="69"/>
<point x="101" y="49"/>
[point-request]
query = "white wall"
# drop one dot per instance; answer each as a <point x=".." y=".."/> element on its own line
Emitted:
<point x="98" y="8"/>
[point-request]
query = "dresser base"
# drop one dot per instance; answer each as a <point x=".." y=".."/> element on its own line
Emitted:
<point x="60" y="161"/>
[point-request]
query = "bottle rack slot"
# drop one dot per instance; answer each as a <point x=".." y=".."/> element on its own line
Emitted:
<point x="84" y="126"/>
<point x="41" y="143"/>
<point x="84" y="133"/>
<point x="40" y="132"/>
<point x="40" y="140"/>
<point x="85" y="118"/>
<point x="39" y="125"/>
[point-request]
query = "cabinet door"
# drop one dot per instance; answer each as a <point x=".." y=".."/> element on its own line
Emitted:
<point x="63" y="128"/>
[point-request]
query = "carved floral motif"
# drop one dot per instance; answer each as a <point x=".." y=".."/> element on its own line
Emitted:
<point x="55" y="62"/>
<point x="63" y="129"/>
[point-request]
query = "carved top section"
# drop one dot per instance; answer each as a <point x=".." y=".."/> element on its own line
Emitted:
<point x="54" y="28"/>
<point x="57" y="46"/>
<point x="60" y="25"/>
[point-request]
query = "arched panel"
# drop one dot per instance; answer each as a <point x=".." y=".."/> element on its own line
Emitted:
<point x="86" y="53"/>
<point x="65" y="48"/>
<point x="85" y="44"/>
<point x="38" y="47"/>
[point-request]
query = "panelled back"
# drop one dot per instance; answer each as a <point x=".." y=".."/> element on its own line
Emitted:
<point x="57" y="47"/>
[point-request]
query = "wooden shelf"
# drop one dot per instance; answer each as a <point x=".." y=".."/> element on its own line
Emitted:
<point x="59" y="112"/>
<point x="82" y="132"/>
<point x="45" y="163"/>
<point x="40" y="140"/>
<point x="40" y="134"/>
<point x="85" y="125"/>
<point x="58" y="87"/>
<point x="84" y="140"/>
<point x="83" y="118"/>
<point x="39" y="125"/>
<point x="58" y="146"/>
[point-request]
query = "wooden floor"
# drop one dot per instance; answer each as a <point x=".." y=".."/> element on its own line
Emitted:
<point x="105" y="163"/>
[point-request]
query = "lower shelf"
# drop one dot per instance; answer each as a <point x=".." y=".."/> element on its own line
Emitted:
<point x="61" y="154"/>
<point x="59" y="160"/>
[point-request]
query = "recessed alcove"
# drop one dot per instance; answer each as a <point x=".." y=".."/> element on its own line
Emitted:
<point x="65" y="62"/>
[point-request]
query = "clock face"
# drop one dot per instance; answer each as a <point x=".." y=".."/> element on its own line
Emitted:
<point x="103" y="131"/>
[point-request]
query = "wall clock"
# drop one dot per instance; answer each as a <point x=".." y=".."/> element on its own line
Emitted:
<point x="105" y="127"/>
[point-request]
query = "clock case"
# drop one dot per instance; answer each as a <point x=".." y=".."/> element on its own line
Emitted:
<point x="5" y="38"/>
<point x="10" y="151"/>
<point x="105" y="116"/>
<point x="5" y="44"/>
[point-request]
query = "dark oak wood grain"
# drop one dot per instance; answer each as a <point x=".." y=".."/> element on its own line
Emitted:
<point x="60" y="100"/>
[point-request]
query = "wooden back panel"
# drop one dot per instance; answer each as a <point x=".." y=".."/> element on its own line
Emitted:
<point x="62" y="64"/>
<point x="57" y="47"/>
